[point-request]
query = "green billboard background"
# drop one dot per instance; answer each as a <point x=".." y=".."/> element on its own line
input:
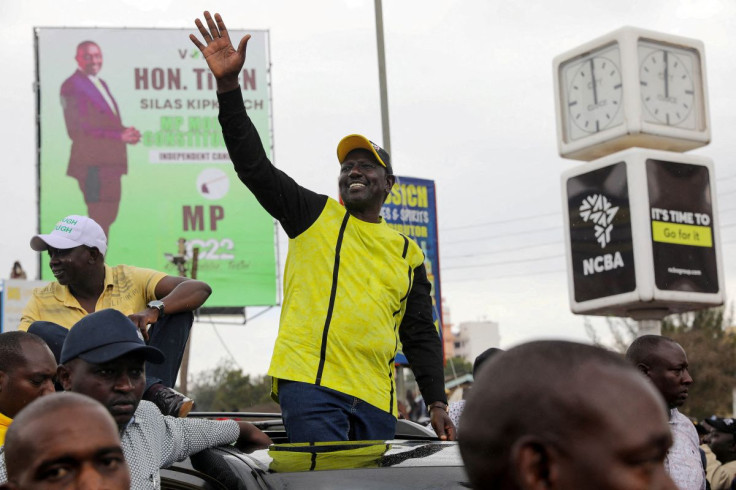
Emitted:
<point x="180" y="182"/>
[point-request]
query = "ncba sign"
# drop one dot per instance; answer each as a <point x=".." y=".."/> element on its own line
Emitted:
<point x="600" y="233"/>
<point x="642" y="234"/>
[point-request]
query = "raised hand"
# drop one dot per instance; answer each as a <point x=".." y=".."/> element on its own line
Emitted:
<point x="224" y="60"/>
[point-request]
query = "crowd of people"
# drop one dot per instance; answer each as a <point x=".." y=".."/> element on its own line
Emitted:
<point x="558" y="414"/>
<point x="117" y="333"/>
<point x="86" y="383"/>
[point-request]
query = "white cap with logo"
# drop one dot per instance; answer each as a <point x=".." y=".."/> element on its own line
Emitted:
<point x="72" y="231"/>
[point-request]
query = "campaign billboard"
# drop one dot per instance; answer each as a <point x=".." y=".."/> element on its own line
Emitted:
<point x="411" y="209"/>
<point x="128" y="134"/>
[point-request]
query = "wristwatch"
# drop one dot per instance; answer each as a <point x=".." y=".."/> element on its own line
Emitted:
<point x="441" y="405"/>
<point x="158" y="304"/>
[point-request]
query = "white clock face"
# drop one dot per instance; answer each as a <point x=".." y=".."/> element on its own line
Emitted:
<point x="669" y="83"/>
<point x="592" y="93"/>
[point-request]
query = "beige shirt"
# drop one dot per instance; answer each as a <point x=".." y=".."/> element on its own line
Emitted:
<point x="720" y="475"/>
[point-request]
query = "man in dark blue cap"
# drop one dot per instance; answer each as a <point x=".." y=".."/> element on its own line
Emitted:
<point x="52" y="333"/>
<point x="107" y="364"/>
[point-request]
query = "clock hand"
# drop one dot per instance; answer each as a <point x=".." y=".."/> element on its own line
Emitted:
<point x="592" y="76"/>
<point x="666" y="77"/>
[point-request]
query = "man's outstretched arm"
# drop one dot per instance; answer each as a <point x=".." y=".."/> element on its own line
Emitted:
<point x="295" y="207"/>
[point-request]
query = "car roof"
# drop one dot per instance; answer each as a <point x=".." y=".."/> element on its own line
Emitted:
<point x="415" y="459"/>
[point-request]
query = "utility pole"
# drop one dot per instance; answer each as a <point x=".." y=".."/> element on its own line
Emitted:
<point x="382" y="77"/>
<point x="179" y="260"/>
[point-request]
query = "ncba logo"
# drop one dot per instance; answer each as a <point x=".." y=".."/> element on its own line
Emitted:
<point x="598" y="209"/>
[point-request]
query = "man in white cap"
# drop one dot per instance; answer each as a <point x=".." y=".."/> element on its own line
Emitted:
<point x="353" y="287"/>
<point x="85" y="284"/>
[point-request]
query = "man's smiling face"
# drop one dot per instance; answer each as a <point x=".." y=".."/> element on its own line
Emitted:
<point x="363" y="182"/>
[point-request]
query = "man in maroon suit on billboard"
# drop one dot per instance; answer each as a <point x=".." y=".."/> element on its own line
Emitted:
<point x="98" y="157"/>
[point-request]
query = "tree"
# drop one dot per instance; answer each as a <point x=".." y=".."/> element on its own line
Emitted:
<point x="711" y="352"/>
<point x="456" y="367"/>
<point x="224" y="389"/>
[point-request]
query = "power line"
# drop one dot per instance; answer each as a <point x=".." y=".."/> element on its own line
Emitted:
<point x="505" y="276"/>
<point x="509" y="220"/>
<point x="502" y="250"/>
<point x="557" y="213"/>
<point x="224" y="345"/>
<point x="515" y="233"/>
<point x="521" y="247"/>
<point x="505" y="262"/>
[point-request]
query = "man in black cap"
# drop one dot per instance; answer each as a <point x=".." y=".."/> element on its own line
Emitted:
<point x="107" y="364"/>
<point x="353" y="287"/>
<point x="720" y="453"/>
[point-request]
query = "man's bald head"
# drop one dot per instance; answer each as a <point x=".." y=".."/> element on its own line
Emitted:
<point x="643" y="349"/>
<point x="65" y="440"/>
<point x="561" y="411"/>
<point x="11" y="349"/>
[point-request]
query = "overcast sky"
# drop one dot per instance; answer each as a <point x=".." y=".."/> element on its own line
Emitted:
<point x="471" y="107"/>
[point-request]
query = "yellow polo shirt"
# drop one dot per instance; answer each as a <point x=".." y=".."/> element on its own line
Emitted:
<point x="127" y="289"/>
<point x="4" y="423"/>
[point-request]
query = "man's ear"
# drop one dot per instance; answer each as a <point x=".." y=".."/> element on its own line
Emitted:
<point x="95" y="255"/>
<point x="534" y="464"/>
<point x="3" y="377"/>
<point x="643" y="368"/>
<point x="390" y="181"/>
<point x="64" y="377"/>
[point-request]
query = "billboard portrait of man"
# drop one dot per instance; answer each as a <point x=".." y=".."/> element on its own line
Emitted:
<point x="98" y="157"/>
